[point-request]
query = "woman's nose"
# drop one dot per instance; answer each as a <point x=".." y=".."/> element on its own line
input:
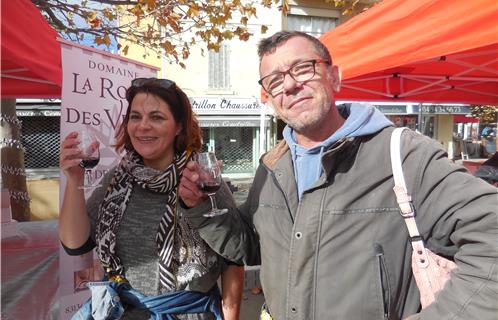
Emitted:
<point x="144" y="123"/>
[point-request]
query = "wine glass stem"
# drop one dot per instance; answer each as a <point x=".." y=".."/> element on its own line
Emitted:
<point x="88" y="176"/>
<point x="213" y="201"/>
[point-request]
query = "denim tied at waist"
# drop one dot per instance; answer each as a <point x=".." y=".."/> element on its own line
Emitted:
<point x="108" y="298"/>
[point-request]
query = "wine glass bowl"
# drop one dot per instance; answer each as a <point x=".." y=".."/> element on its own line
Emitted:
<point x="210" y="179"/>
<point x="90" y="156"/>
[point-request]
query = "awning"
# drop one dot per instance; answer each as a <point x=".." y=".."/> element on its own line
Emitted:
<point x="31" y="55"/>
<point x="436" y="51"/>
<point x="464" y="119"/>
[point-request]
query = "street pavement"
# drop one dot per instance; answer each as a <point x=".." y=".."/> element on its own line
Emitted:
<point x="251" y="303"/>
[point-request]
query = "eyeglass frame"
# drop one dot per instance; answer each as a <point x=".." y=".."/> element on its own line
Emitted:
<point x="288" y="71"/>
<point x="163" y="83"/>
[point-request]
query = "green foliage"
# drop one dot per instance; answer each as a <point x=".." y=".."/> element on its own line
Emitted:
<point x="486" y="114"/>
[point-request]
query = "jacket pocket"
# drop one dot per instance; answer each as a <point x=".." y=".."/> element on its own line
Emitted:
<point x="383" y="279"/>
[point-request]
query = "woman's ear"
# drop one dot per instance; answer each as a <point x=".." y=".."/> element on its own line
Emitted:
<point x="179" y="130"/>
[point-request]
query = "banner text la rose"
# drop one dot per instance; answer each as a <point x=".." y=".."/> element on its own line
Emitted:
<point x="104" y="89"/>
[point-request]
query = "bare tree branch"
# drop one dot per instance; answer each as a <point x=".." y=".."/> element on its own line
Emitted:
<point x="163" y="27"/>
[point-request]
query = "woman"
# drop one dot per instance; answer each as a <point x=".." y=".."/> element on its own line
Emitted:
<point x="151" y="256"/>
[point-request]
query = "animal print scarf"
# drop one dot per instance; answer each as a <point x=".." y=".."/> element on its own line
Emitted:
<point x="129" y="171"/>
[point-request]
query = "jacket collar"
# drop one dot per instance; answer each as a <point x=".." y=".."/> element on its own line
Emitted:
<point x="271" y="158"/>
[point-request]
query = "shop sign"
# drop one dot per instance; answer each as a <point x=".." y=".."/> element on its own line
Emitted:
<point x="38" y="113"/>
<point x="223" y="105"/>
<point x="442" y="109"/>
<point x="224" y="123"/>
<point x="392" y="109"/>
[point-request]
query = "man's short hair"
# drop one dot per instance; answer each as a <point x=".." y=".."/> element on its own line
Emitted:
<point x="270" y="44"/>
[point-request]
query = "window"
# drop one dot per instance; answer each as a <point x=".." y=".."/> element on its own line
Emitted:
<point x="315" y="26"/>
<point x="40" y="136"/>
<point x="219" y="68"/>
<point x="234" y="146"/>
<point x="313" y="21"/>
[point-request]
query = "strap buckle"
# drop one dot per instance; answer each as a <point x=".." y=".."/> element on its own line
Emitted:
<point x="407" y="210"/>
<point x="117" y="278"/>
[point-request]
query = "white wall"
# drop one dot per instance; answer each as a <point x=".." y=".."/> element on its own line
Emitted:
<point x="244" y="62"/>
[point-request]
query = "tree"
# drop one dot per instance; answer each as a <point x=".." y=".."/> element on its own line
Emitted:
<point x="168" y="27"/>
<point x="486" y="114"/>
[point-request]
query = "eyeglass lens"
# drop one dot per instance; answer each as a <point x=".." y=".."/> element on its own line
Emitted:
<point x="300" y="72"/>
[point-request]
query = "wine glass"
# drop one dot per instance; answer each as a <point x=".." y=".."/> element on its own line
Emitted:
<point x="90" y="156"/>
<point x="210" y="180"/>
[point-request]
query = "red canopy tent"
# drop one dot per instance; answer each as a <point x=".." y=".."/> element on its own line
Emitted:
<point x="420" y="51"/>
<point x="31" y="55"/>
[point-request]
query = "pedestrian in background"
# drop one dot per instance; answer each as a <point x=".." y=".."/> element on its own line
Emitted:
<point x="322" y="218"/>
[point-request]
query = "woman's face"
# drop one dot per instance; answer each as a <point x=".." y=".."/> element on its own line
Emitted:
<point x="152" y="130"/>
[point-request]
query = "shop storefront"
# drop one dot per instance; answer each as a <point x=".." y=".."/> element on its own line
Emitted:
<point x="239" y="130"/>
<point x="435" y="121"/>
<point x="438" y="122"/>
<point x="399" y="114"/>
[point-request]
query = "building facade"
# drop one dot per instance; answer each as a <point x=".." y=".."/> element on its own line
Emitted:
<point x="226" y="97"/>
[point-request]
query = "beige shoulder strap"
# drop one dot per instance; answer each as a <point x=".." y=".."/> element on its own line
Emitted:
<point x="404" y="200"/>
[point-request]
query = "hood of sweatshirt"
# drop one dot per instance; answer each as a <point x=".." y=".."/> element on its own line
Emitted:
<point x="361" y="119"/>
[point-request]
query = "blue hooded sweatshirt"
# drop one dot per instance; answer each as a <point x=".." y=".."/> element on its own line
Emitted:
<point x="363" y="119"/>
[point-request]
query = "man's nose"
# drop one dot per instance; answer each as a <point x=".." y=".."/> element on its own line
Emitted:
<point x="290" y="84"/>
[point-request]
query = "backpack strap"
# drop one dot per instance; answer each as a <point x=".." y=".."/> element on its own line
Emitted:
<point x="407" y="210"/>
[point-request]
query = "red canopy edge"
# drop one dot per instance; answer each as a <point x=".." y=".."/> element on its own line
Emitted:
<point x="30" y="54"/>
<point x="419" y="51"/>
<point x="462" y="118"/>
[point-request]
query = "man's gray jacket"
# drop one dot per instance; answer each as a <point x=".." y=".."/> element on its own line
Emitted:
<point x="343" y="251"/>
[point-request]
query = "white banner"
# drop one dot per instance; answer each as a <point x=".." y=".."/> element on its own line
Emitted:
<point x="93" y="96"/>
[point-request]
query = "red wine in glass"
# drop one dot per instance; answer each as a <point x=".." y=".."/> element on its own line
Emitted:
<point x="89" y="163"/>
<point x="210" y="180"/>
<point x="210" y="188"/>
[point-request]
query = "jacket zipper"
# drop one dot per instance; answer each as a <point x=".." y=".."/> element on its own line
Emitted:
<point x="384" y="280"/>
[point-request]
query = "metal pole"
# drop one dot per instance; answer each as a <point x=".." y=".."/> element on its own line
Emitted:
<point x="419" y="120"/>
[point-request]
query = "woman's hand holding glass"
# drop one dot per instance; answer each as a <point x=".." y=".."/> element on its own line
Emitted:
<point x="80" y="150"/>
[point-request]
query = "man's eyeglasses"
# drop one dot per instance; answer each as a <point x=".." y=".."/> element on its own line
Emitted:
<point x="164" y="83"/>
<point x="301" y="71"/>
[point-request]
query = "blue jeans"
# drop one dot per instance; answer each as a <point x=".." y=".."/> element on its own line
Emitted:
<point x="108" y="297"/>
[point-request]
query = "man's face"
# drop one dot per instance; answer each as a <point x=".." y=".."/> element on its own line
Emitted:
<point x="304" y="106"/>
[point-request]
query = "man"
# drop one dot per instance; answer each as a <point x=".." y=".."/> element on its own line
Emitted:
<point x="321" y="216"/>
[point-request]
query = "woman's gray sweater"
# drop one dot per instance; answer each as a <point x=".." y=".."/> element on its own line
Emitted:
<point x="197" y="266"/>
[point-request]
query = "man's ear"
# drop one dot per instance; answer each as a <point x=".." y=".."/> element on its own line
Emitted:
<point x="336" y="78"/>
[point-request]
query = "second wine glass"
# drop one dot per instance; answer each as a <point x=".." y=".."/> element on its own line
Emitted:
<point x="90" y="156"/>
<point x="210" y="180"/>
